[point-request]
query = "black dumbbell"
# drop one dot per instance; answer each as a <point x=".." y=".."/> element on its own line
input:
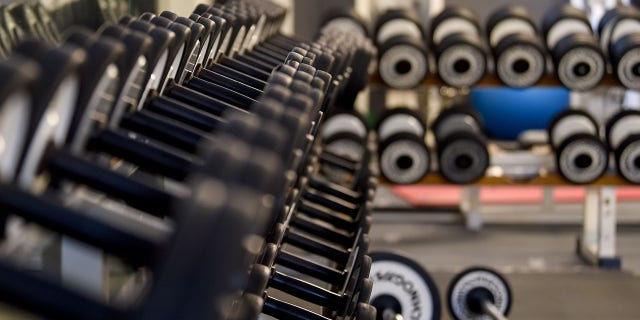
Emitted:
<point x="18" y="87"/>
<point x="11" y="26"/>
<point x="192" y="253"/>
<point x="615" y="24"/>
<point x="519" y="56"/>
<point x="618" y="30"/>
<point x="622" y="138"/>
<point x="581" y="157"/>
<point x="403" y="154"/>
<point x="460" y="54"/>
<point x="579" y="62"/>
<point x="403" y="62"/>
<point x="462" y="148"/>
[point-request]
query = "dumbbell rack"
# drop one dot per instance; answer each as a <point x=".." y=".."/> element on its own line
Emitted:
<point x="596" y="244"/>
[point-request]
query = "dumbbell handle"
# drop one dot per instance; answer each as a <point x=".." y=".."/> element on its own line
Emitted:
<point x="480" y="301"/>
<point x="492" y="311"/>
<point x="390" y="314"/>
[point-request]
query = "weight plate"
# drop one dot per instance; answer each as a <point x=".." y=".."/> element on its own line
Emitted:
<point x="348" y="121"/>
<point x="622" y="125"/>
<point x="625" y="58"/>
<point x="347" y="20"/>
<point x="461" y="61"/>
<point x="463" y="158"/>
<point x="582" y="159"/>
<point x="579" y="62"/>
<point x="401" y="286"/>
<point x="396" y="22"/>
<point x="404" y="158"/>
<point x="508" y="21"/>
<point x="477" y="278"/>
<point x="570" y="122"/>
<point x="628" y="159"/>
<point x="403" y="63"/>
<point x="562" y="20"/>
<point x="399" y="120"/>
<point x="520" y="61"/>
<point x="452" y="20"/>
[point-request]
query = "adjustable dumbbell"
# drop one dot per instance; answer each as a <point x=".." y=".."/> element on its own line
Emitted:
<point x="403" y="62"/>
<point x="460" y="54"/>
<point x="479" y="292"/>
<point x="518" y="54"/>
<point x="462" y="147"/>
<point x="579" y="62"/>
<point x="622" y="138"/>
<point x="404" y="156"/>
<point x="618" y="30"/>
<point x="581" y="157"/>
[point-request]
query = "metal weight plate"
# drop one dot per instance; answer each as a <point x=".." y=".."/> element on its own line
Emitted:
<point x="402" y="287"/>
<point x="469" y="282"/>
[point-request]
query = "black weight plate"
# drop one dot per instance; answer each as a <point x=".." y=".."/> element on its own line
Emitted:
<point x="411" y="114"/>
<point x="561" y="12"/>
<point x="628" y="159"/>
<point x="404" y="158"/>
<point x="613" y="120"/>
<point x="566" y="113"/>
<point x="454" y="11"/>
<point x="582" y="159"/>
<point x="509" y="12"/>
<point x="463" y="157"/>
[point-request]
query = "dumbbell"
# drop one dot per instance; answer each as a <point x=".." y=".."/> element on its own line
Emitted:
<point x="403" y="153"/>
<point x="32" y="23"/>
<point x="364" y="59"/>
<point x="10" y="25"/>
<point x="17" y="91"/>
<point x="36" y="147"/>
<point x="193" y="252"/>
<point x="402" y="289"/>
<point x="615" y="24"/>
<point x="346" y="19"/>
<point x="456" y="40"/>
<point x="519" y="57"/>
<point x="479" y="292"/>
<point x="579" y="62"/>
<point x="581" y="157"/>
<point x="462" y="147"/>
<point x="402" y="62"/>
<point x="344" y="134"/>
<point x="31" y="163"/>
<point x="622" y="138"/>
<point x="618" y="30"/>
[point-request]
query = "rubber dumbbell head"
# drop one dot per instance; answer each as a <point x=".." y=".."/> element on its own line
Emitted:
<point x="580" y="155"/>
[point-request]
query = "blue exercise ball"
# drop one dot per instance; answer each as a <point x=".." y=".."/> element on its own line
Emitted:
<point x="507" y="111"/>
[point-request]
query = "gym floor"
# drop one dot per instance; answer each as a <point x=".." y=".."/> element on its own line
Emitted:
<point x="549" y="281"/>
